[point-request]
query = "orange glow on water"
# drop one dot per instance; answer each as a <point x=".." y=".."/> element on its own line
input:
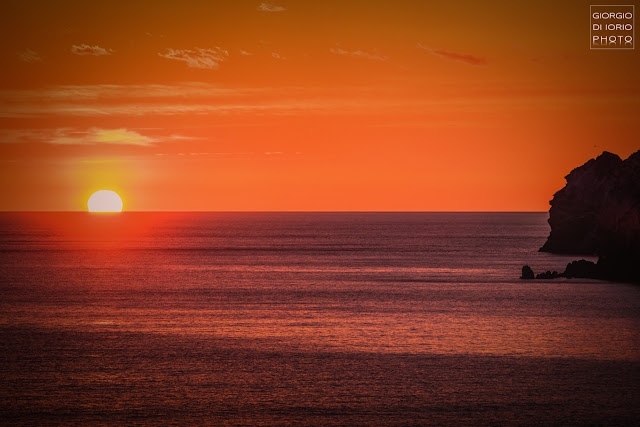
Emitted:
<point x="85" y="229"/>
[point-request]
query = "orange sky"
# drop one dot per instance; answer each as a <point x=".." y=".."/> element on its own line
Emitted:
<point x="306" y="105"/>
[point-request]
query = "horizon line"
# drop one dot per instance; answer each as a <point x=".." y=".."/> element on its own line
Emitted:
<point x="276" y="211"/>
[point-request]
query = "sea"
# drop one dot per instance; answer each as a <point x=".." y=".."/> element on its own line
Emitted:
<point x="322" y="319"/>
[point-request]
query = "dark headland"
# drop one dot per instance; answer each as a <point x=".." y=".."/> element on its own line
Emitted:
<point x="597" y="213"/>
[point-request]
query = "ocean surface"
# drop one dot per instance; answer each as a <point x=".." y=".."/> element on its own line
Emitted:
<point x="306" y="319"/>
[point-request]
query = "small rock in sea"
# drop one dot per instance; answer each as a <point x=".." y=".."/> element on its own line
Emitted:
<point x="582" y="269"/>
<point x="547" y="275"/>
<point x="527" y="273"/>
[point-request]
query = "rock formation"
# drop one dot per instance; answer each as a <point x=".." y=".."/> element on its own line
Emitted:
<point x="527" y="273"/>
<point x="548" y="275"/>
<point x="581" y="268"/>
<point x="598" y="213"/>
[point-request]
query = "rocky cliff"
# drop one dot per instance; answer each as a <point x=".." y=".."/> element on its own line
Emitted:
<point x="598" y="213"/>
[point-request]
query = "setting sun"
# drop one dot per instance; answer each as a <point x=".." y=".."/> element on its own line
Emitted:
<point x="105" y="201"/>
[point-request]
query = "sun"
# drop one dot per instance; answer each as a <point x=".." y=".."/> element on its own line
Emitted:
<point x="105" y="201"/>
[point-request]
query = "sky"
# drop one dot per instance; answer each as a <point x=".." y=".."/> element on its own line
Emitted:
<point x="306" y="105"/>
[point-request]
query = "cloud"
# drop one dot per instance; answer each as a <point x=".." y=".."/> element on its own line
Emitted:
<point x="18" y="136"/>
<point x="268" y="7"/>
<point x="469" y="59"/>
<point x="194" y="98"/>
<point x="92" y="136"/>
<point x="358" y="53"/>
<point x="70" y="136"/>
<point x="461" y="57"/>
<point x="223" y="154"/>
<point x="277" y="56"/>
<point x="30" y="56"/>
<point x="244" y="52"/>
<point x="136" y="100"/>
<point x="287" y="106"/>
<point x="85" y="49"/>
<point x="197" y="58"/>
<point x="101" y="136"/>
<point x="75" y="93"/>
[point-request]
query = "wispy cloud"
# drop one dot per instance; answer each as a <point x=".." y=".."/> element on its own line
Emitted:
<point x="137" y="100"/>
<point x="30" y="56"/>
<point x="227" y="154"/>
<point x="101" y="136"/>
<point x="167" y="109"/>
<point x="91" y="136"/>
<point x="19" y="136"/>
<point x="101" y="101"/>
<point x="461" y="57"/>
<point x="288" y="106"/>
<point x="244" y="52"/>
<point x="197" y="58"/>
<point x="269" y="7"/>
<point x="75" y="93"/>
<point x="358" y="53"/>
<point x="85" y="49"/>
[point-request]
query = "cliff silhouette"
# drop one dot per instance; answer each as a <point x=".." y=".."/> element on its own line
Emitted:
<point x="598" y="213"/>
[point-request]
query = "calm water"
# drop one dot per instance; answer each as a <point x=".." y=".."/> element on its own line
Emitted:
<point x="306" y="318"/>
